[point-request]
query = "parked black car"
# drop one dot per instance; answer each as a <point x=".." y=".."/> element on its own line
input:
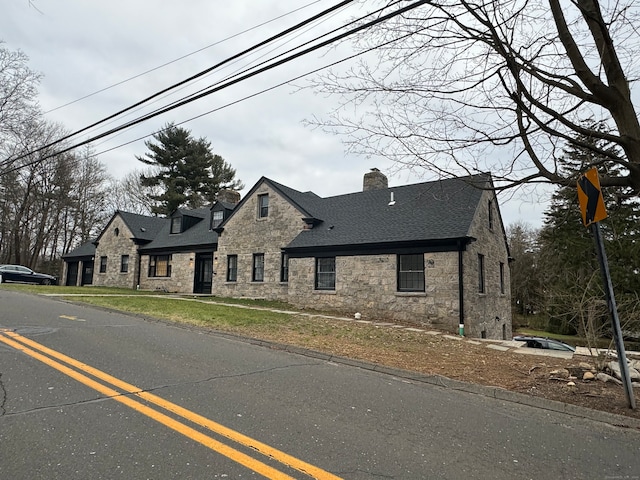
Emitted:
<point x="18" y="273"/>
<point x="546" y="343"/>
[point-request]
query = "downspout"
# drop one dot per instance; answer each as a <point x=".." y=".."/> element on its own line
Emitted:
<point x="139" y="262"/>
<point x="460" y="290"/>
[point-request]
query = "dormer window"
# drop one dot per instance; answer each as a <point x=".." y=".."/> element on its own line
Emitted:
<point x="176" y="225"/>
<point x="263" y="205"/>
<point x="216" y="218"/>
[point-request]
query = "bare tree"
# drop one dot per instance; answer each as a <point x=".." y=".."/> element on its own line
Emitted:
<point x="129" y="195"/>
<point x="457" y="87"/>
<point x="18" y="91"/>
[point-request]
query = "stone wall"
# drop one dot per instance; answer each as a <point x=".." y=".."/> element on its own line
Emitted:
<point x="182" y="274"/>
<point x="114" y="242"/>
<point x="487" y="314"/>
<point x="368" y="284"/>
<point x="245" y="234"/>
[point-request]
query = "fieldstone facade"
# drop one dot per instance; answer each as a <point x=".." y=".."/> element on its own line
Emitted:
<point x="180" y="280"/>
<point x="367" y="284"/>
<point x="116" y="242"/>
<point x="487" y="313"/>
<point x="247" y="234"/>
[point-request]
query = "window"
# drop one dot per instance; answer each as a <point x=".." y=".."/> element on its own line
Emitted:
<point x="490" y="207"/>
<point x="160" y="265"/>
<point x="263" y="205"/>
<point x="258" y="267"/>
<point x="284" y="268"/>
<point x="176" y="225"/>
<point x="232" y="268"/>
<point x="411" y="273"/>
<point x="124" y="263"/>
<point x="103" y="264"/>
<point x="216" y="218"/>
<point x="501" y="277"/>
<point x="325" y="273"/>
<point x="481" y="288"/>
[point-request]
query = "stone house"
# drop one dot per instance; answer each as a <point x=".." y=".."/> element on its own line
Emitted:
<point x="180" y="258"/>
<point x="117" y="253"/>
<point x="430" y="254"/>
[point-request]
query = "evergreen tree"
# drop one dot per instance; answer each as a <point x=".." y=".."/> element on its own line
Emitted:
<point x="571" y="273"/>
<point x="525" y="274"/>
<point x="186" y="170"/>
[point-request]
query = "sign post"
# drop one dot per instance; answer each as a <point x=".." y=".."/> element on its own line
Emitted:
<point x="593" y="210"/>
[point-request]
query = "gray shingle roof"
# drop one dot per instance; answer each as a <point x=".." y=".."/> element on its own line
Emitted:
<point x="430" y="211"/>
<point x="198" y="236"/>
<point x="87" y="249"/>
<point x="143" y="227"/>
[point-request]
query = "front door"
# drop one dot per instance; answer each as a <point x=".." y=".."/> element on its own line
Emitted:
<point x="204" y="273"/>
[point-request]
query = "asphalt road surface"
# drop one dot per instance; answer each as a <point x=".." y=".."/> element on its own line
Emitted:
<point x="89" y="394"/>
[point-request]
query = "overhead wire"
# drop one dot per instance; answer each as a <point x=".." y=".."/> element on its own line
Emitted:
<point x="227" y="84"/>
<point x="309" y="27"/>
<point x="230" y="37"/>
<point x="193" y="77"/>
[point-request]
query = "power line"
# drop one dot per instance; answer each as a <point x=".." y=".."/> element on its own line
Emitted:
<point x="189" y="79"/>
<point x="181" y="58"/>
<point x="221" y="86"/>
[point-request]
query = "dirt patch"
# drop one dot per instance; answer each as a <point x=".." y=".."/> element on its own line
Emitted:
<point x="457" y="359"/>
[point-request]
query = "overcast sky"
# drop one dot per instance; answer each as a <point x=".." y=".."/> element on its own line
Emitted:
<point x="82" y="47"/>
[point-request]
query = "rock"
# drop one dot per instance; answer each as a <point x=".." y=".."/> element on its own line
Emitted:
<point x="614" y="367"/>
<point x="585" y="366"/>
<point x="603" y="377"/>
<point x="561" y="373"/>
<point x="571" y="384"/>
<point x="588" y="376"/>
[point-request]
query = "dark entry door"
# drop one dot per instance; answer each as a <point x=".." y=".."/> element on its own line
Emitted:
<point x="204" y="273"/>
<point x="87" y="273"/>
<point x="72" y="274"/>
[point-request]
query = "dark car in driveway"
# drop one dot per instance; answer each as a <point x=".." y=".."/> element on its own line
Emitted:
<point x="545" y="343"/>
<point x="18" y="273"/>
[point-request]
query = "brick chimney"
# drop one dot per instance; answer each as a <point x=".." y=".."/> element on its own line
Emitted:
<point x="228" y="196"/>
<point x="374" y="180"/>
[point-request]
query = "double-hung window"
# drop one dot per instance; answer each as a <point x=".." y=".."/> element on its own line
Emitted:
<point x="284" y="268"/>
<point x="411" y="273"/>
<point x="232" y="268"/>
<point x="263" y="205"/>
<point x="103" y="264"/>
<point x="176" y="225"/>
<point x="258" y="267"/>
<point x="160" y="265"/>
<point x="124" y="263"/>
<point x="481" y="283"/>
<point x="325" y="273"/>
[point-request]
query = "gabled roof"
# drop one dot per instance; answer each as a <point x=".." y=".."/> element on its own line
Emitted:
<point x="142" y="227"/>
<point x="87" y="249"/>
<point x="425" y="212"/>
<point x="197" y="236"/>
<point x="302" y="201"/>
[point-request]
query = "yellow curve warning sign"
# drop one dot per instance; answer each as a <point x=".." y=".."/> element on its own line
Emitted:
<point x="590" y="198"/>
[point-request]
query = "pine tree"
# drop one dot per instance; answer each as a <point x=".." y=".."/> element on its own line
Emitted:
<point x="187" y="171"/>
<point x="572" y="278"/>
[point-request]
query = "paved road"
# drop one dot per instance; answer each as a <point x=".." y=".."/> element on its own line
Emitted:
<point x="205" y="406"/>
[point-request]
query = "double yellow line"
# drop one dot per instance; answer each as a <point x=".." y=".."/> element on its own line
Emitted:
<point x="47" y="356"/>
